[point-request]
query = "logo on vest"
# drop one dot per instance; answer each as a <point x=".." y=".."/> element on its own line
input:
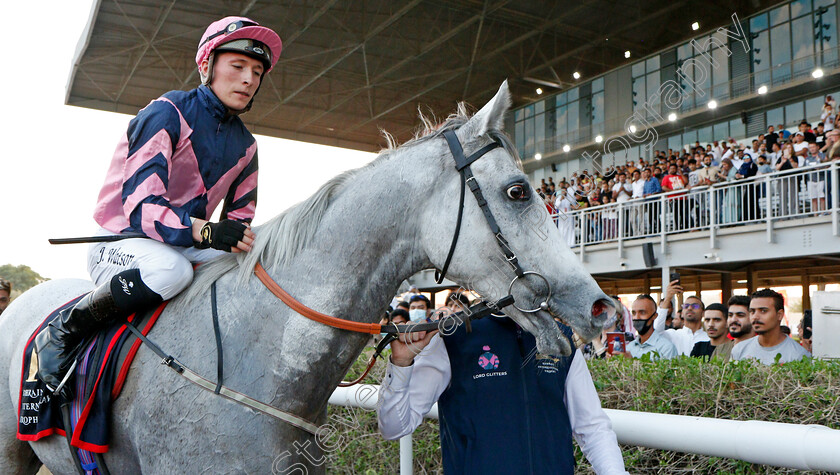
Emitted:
<point x="547" y="363"/>
<point x="488" y="361"/>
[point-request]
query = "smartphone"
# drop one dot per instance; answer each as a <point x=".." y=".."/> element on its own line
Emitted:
<point x="616" y="342"/>
<point x="675" y="276"/>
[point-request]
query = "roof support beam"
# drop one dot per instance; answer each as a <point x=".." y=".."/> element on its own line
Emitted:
<point x="440" y="40"/>
<point x="515" y="42"/>
<point x="148" y="41"/>
<point x="385" y="24"/>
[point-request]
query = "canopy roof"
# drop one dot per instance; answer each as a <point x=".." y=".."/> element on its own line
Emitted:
<point x="352" y="67"/>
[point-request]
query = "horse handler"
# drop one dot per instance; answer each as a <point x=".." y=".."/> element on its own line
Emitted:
<point x="180" y="157"/>
<point x="503" y="407"/>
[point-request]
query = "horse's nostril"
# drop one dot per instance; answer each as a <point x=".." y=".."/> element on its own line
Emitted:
<point x="601" y="309"/>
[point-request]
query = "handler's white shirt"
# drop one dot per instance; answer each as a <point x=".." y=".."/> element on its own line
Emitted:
<point x="408" y="393"/>
<point x="684" y="339"/>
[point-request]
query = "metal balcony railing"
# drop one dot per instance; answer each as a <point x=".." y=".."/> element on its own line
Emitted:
<point x="797" y="193"/>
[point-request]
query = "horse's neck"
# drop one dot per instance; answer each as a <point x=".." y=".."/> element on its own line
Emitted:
<point x="367" y="244"/>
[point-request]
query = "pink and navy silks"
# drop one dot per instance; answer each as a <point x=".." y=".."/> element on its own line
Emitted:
<point x="181" y="156"/>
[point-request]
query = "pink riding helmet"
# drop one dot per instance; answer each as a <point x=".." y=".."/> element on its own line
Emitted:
<point x="234" y="28"/>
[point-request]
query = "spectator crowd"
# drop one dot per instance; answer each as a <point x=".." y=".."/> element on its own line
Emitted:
<point x="745" y="327"/>
<point x="695" y="166"/>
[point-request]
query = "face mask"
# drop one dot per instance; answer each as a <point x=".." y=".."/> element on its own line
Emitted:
<point x="642" y="326"/>
<point x="417" y="314"/>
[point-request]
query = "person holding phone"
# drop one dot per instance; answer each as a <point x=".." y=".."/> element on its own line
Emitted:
<point x="692" y="332"/>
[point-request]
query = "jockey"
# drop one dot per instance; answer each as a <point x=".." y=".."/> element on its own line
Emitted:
<point x="181" y="156"/>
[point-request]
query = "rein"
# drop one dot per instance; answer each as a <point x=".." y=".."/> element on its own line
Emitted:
<point x="476" y="311"/>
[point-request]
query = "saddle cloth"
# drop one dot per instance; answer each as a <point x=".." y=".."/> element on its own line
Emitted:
<point x="99" y="377"/>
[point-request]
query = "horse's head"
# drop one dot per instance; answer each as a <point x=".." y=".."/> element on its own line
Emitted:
<point x="479" y="264"/>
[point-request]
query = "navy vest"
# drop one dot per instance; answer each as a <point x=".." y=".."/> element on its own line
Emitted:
<point x="503" y="412"/>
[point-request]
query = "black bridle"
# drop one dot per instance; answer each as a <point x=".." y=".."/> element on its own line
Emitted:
<point x="462" y="164"/>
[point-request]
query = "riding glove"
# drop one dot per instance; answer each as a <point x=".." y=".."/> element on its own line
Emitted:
<point x="222" y="235"/>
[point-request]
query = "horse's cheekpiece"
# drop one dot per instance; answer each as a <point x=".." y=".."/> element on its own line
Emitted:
<point x="101" y="370"/>
<point x="462" y="164"/>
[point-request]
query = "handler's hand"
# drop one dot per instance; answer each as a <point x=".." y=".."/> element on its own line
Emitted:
<point x="409" y="345"/>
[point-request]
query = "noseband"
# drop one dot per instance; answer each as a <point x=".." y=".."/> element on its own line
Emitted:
<point x="462" y="164"/>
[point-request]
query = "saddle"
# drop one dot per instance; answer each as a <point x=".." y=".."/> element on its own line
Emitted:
<point x="103" y="364"/>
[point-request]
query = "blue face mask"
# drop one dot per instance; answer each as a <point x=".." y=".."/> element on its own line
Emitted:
<point x="418" y="314"/>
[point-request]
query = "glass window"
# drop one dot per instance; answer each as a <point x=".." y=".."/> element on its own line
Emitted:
<point x="561" y="99"/>
<point x="598" y="107"/>
<point x="761" y="52"/>
<point x="638" y="93"/>
<point x="761" y="58"/>
<point x="518" y="114"/>
<point x="827" y="41"/>
<point x="823" y="3"/>
<point x="652" y="81"/>
<point x="794" y="114"/>
<point x="638" y="69"/>
<point x="704" y="135"/>
<point x="529" y="111"/>
<point x="520" y="138"/>
<point x="736" y="129"/>
<point x="598" y="84"/>
<point x="574" y="117"/>
<point x="814" y="109"/>
<point x="539" y="138"/>
<point x="675" y="142"/>
<point x="562" y="120"/>
<point x="684" y="52"/>
<point x="799" y="7"/>
<point x="803" y="46"/>
<point x="721" y="131"/>
<point x="689" y="137"/>
<point x="780" y="39"/>
<point x="652" y="64"/>
<point x="779" y="15"/>
<point x="573" y="94"/>
<point x="758" y="23"/>
<point x="776" y="116"/>
<point x="540" y="107"/>
<point x="529" y="138"/>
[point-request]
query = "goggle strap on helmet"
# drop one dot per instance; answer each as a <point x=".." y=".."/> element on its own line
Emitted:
<point x="229" y="29"/>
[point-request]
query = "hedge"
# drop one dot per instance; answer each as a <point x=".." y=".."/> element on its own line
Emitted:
<point x="804" y="392"/>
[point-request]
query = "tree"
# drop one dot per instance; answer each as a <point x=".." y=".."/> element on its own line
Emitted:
<point x="22" y="277"/>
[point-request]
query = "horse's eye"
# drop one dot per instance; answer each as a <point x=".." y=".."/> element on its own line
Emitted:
<point x="516" y="192"/>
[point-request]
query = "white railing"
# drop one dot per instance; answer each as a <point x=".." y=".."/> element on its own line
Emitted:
<point x="796" y="446"/>
<point x="797" y="193"/>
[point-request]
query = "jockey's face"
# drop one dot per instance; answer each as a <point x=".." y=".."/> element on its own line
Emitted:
<point x="236" y="78"/>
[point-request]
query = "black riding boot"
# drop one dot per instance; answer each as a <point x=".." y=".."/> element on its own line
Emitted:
<point x="57" y="345"/>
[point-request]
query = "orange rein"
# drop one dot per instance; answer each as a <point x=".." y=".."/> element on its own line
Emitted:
<point x="274" y="287"/>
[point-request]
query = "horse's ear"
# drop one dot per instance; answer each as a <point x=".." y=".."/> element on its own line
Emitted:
<point x="491" y="116"/>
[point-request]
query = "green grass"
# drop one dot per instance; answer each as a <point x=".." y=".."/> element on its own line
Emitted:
<point x="804" y="392"/>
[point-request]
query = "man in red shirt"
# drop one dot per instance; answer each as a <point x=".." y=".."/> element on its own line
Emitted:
<point x="678" y="204"/>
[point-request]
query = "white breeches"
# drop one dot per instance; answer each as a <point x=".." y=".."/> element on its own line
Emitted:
<point x="165" y="269"/>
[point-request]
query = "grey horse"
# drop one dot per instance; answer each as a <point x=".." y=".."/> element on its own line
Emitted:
<point x="344" y="251"/>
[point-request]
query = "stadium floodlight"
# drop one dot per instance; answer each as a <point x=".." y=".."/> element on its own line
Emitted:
<point x="762" y="89"/>
<point x="538" y="156"/>
<point x="576" y="75"/>
<point x="566" y="148"/>
<point x="672" y="117"/>
<point x="695" y="26"/>
<point x="599" y="139"/>
<point x="712" y="104"/>
<point x="818" y="73"/>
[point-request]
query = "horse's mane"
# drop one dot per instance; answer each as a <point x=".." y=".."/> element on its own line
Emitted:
<point x="287" y="234"/>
